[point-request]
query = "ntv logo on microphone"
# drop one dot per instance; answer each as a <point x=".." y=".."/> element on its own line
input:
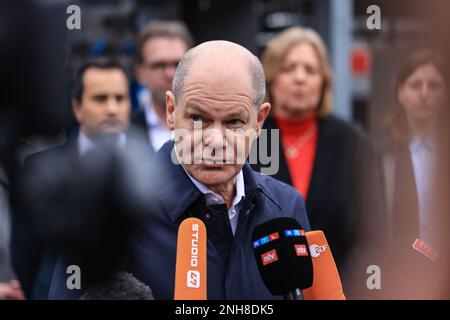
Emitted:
<point x="269" y="257"/>
<point x="193" y="276"/>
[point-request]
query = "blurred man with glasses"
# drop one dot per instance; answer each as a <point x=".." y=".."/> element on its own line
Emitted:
<point x="160" y="47"/>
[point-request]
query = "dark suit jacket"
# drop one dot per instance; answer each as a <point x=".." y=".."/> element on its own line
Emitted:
<point x="411" y="271"/>
<point x="53" y="175"/>
<point x="33" y="257"/>
<point x="344" y="198"/>
<point x="232" y="270"/>
<point x="406" y="205"/>
<point x="139" y="124"/>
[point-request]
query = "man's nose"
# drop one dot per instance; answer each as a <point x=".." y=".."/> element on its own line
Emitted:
<point x="112" y="106"/>
<point x="214" y="138"/>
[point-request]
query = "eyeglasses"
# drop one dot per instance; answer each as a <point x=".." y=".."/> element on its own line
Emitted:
<point x="160" y="66"/>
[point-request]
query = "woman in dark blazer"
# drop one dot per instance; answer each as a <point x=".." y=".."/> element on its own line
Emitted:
<point x="416" y="176"/>
<point x="327" y="160"/>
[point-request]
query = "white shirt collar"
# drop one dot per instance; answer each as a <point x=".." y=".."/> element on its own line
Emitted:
<point x="157" y="133"/>
<point x="423" y="157"/>
<point x="151" y="117"/>
<point x="417" y="143"/>
<point x="213" y="198"/>
<point x="85" y="144"/>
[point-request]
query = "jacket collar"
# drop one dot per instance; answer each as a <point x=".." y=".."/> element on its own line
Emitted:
<point x="176" y="191"/>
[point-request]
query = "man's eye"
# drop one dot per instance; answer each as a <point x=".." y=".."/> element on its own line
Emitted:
<point x="156" y="65"/>
<point x="100" y="98"/>
<point x="196" y="118"/>
<point x="235" y="122"/>
<point x="120" y="98"/>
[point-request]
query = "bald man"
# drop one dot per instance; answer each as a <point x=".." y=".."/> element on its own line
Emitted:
<point x="215" y="111"/>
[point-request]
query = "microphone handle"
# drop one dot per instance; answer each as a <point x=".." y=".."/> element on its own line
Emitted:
<point x="293" y="295"/>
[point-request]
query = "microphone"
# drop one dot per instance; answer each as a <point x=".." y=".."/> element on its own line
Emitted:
<point x="327" y="283"/>
<point x="283" y="258"/>
<point x="121" y="286"/>
<point x="190" y="273"/>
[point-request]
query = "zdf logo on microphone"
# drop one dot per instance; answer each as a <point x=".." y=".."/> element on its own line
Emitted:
<point x="316" y="250"/>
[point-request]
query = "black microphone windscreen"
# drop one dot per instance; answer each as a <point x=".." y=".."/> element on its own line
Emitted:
<point x="121" y="286"/>
<point x="282" y="255"/>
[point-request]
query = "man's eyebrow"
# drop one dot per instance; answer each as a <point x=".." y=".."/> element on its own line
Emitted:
<point x="237" y="113"/>
<point x="196" y="108"/>
<point x="109" y="93"/>
<point x="99" y="95"/>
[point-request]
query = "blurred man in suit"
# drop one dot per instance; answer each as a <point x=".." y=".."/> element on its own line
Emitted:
<point x="102" y="109"/>
<point x="160" y="47"/>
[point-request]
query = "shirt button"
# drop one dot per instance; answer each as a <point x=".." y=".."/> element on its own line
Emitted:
<point x="207" y="216"/>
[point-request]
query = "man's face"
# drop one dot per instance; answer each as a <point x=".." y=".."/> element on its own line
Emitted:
<point x="160" y="58"/>
<point x="215" y="122"/>
<point x="105" y="105"/>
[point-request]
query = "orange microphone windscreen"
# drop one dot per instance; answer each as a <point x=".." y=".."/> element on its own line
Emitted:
<point x="190" y="274"/>
<point x="326" y="283"/>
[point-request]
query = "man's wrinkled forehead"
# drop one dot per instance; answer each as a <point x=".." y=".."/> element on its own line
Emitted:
<point x="212" y="92"/>
<point x="218" y="67"/>
<point x="219" y="76"/>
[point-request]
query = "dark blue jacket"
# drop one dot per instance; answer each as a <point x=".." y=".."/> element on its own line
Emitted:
<point x="154" y="243"/>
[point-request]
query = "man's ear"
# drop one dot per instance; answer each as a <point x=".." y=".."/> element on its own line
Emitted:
<point x="76" y="109"/>
<point x="170" y="110"/>
<point x="262" y="115"/>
